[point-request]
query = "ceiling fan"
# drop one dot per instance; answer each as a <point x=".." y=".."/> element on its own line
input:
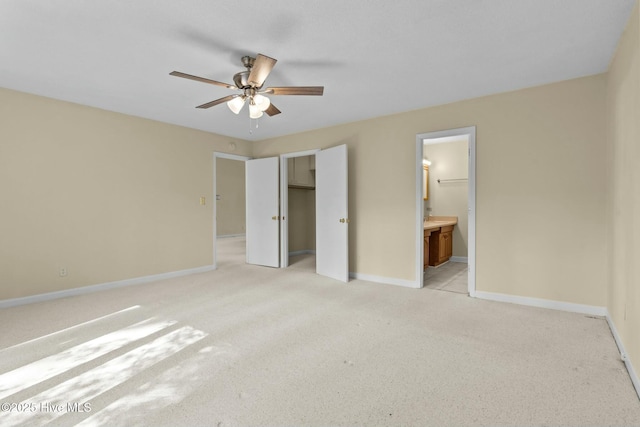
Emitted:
<point x="250" y="84"/>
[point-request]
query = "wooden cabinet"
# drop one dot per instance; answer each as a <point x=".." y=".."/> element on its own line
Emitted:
<point x="427" y="237"/>
<point x="446" y="248"/>
<point x="441" y="245"/>
<point x="301" y="172"/>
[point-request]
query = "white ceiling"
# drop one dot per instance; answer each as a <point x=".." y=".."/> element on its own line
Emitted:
<point x="374" y="57"/>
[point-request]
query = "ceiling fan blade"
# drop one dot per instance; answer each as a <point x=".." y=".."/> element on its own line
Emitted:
<point x="262" y="66"/>
<point x="201" y="79"/>
<point x="296" y="90"/>
<point x="272" y="110"/>
<point x="218" y="101"/>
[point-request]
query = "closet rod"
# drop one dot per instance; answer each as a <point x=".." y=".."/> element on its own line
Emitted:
<point x="452" y="180"/>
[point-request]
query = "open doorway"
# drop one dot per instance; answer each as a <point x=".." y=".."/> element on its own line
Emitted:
<point x="446" y="197"/>
<point x="445" y="206"/>
<point x="298" y="197"/>
<point x="229" y="209"/>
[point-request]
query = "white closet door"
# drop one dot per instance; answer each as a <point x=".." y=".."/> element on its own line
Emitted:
<point x="263" y="220"/>
<point x="332" y="216"/>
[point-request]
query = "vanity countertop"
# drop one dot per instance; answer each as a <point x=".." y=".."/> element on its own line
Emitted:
<point x="434" y="222"/>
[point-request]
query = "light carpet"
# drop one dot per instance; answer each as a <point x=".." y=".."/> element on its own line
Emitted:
<point x="248" y="345"/>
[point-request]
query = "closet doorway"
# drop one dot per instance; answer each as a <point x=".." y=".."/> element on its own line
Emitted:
<point x="298" y="206"/>
<point x="331" y="217"/>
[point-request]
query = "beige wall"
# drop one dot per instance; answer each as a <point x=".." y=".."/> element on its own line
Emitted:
<point x="112" y="197"/>
<point x="450" y="160"/>
<point x="623" y="108"/>
<point x="231" y="208"/>
<point x="540" y="188"/>
<point x="107" y="196"/>
<point x="302" y="220"/>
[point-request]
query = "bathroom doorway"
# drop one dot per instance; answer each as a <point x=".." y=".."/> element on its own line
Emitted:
<point x="446" y="173"/>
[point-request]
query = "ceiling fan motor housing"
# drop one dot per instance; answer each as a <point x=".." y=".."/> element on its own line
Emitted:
<point x="248" y="61"/>
<point x="241" y="79"/>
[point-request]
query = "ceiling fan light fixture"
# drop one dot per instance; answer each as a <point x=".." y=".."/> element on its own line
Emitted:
<point x="249" y="83"/>
<point x="236" y="104"/>
<point x="254" y="111"/>
<point x="262" y="102"/>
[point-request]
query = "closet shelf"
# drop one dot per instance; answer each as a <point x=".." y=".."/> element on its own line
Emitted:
<point x="301" y="187"/>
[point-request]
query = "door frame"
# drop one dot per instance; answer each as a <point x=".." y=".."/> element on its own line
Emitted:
<point x="284" y="202"/>
<point x="218" y="155"/>
<point x="470" y="132"/>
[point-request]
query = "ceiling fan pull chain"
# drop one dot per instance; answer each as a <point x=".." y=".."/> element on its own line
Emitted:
<point x="251" y="123"/>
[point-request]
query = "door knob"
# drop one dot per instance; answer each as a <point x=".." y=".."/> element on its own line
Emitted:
<point x="275" y="218"/>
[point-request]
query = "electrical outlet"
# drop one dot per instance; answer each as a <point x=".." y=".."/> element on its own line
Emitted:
<point x="63" y="271"/>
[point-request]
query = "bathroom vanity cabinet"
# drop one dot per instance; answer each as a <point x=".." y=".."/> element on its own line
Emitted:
<point x="438" y="239"/>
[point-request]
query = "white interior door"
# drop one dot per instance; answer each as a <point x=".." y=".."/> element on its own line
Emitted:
<point x="332" y="216"/>
<point x="263" y="220"/>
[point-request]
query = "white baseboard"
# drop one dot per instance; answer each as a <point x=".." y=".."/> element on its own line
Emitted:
<point x="384" y="280"/>
<point x="223" y="236"/>
<point x="543" y="303"/>
<point x="302" y="252"/>
<point x="463" y="259"/>
<point x="623" y="355"/>
<point x="100" y="287"/>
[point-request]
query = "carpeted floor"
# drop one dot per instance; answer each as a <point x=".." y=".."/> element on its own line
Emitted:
<point x="247" y="345"/>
